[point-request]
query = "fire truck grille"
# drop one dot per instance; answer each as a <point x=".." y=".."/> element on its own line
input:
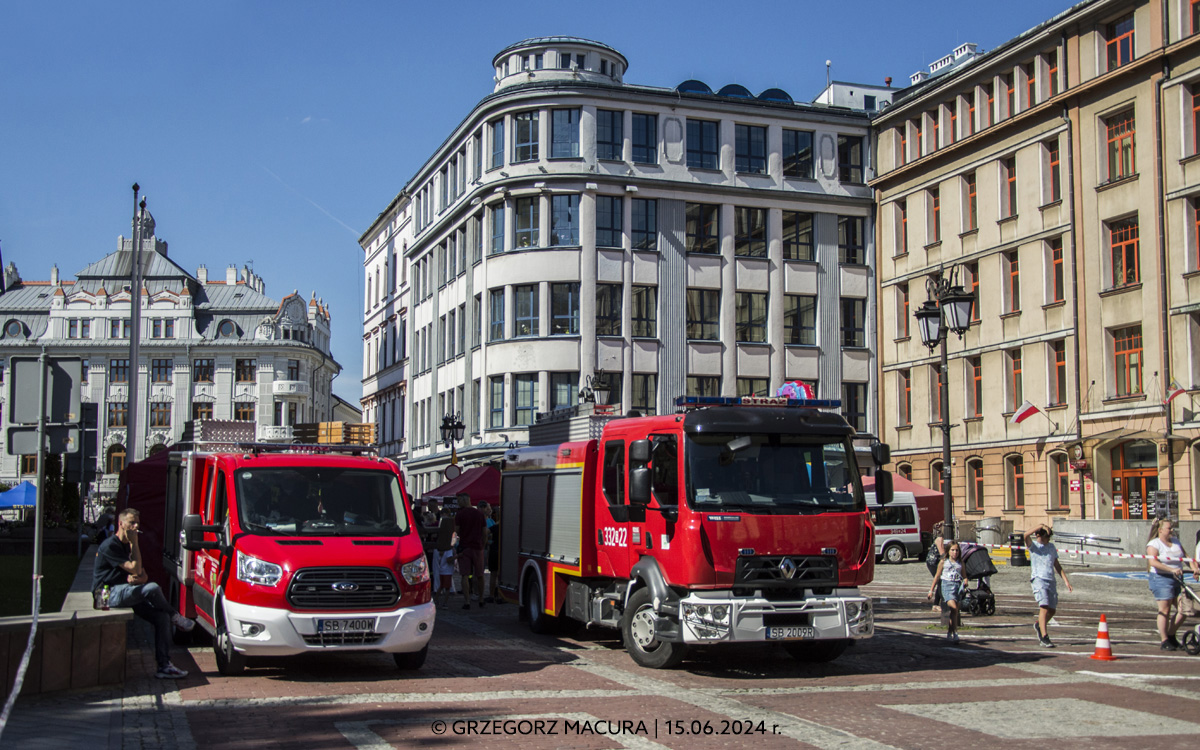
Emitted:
<point x="787" y="571"/>
<point x="343" y="588"/>
<point x="343" y="639"/>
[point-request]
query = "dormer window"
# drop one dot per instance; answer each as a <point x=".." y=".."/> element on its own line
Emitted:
<point x="226" y="330"/>
<point x="14" y="330"/>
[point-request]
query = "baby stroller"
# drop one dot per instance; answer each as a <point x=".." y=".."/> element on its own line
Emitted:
<point x="978" y="567"/>
<point x="1191" y="639"/>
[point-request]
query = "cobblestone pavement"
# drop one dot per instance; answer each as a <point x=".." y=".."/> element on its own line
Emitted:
<point x="904" y="688"/>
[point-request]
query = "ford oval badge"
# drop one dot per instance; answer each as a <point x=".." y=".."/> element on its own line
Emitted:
<point x="345" y="586"/>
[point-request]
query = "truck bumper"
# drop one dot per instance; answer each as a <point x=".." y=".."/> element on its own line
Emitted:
<point x="718" y="617"/>
<point x="265" y="631"/>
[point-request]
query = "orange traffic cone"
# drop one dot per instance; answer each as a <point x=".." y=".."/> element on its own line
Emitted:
<point x="1103" y="647"/>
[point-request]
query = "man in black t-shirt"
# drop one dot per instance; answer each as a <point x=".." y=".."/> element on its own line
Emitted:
<point x="119" y="567"/>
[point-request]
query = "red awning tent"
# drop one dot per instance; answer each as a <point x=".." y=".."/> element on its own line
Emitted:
<point x="900" y="484"/>
<point x="481" y="483"/>
<point x="929" y="502"/>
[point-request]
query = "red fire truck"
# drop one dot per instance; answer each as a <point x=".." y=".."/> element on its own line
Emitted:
<point x="733" y="520"/>
<point x="289" y="549"/>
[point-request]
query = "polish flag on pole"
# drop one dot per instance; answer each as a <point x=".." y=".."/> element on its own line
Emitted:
<point x="1173" y="393"/>
<point x="1026" y="411"/>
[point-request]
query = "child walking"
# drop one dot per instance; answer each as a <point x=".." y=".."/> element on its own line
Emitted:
<point x="949" y="576"/>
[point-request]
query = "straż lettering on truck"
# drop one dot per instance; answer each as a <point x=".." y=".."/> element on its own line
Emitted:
<point x="722" y="523"/>
<point x="284" y="550"/>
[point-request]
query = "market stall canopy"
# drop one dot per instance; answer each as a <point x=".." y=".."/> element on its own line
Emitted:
<point x="900" y="484"/>
<point x="481" y="483"/>
<point x="24" y="495"/>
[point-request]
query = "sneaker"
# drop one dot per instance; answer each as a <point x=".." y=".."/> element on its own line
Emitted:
<point x="1038" y="630"/>
<point x="183" y="623"/>
<point x="1044" y="641"/>
<point x="170" y="672"/>
<point x="954" y="638"/>
<point x="1174" y="642"/>
<point x="1168" y="646"/>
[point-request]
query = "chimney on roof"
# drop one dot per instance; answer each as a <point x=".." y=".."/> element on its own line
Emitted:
<point x="202" y="274"/>
<point x="888" y="82"/>
<point x="53" y="275"/>
<point x="967" y="48"/>
<point x="917" y="77"/>
<point x="231" y="274"/>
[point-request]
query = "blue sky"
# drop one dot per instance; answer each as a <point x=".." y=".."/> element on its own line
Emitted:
<point x="272" y="133"/>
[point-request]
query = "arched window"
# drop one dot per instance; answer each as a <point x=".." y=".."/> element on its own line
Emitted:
<point x="156" y="448"/>
<point x="904" y="471"/>
<point x="975" y="484"/>
<point x="935" y="476"/>
<point x="115" y="459"/>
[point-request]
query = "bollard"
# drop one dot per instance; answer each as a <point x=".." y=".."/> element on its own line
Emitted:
<point x="1018" y="559"/>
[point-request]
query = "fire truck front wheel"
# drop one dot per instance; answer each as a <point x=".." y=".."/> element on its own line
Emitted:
<point x="816" y="651"/>
<point x="637" y="630"/>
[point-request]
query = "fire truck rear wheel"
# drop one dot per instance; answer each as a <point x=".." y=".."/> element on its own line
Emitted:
<point x="229" y="661"/>
<point x="816" y="651"/>
<point x="411" y="659"/>
<point x="637" y="630"/>
<point x="539" y="622"/>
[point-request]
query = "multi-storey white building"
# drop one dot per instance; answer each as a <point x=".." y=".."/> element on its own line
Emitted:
<point x="574" y="225"/>
<point x="209" y="349"/>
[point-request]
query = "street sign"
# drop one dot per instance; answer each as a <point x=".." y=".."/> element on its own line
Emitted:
<point x="1074" y="485"/>
<point x="63" y="376"/>
<point x="22" y="441"/>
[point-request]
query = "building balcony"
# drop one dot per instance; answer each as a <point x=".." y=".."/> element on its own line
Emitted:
<point x="275" y="433"/>
<point x="292" y="388"/>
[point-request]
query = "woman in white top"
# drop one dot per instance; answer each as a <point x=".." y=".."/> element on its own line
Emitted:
<point x="950" y="576"/>
<point x="1165" y="557"/>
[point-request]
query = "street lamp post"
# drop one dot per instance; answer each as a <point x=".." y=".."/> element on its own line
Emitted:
<point x="596" y="391"/>
<point x="948" y="308"/>
<point x="452" y="433"/>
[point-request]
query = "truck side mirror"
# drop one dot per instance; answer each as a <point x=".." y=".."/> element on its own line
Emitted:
<point x="639" y="452"/>
<point x="883" y="487"/>
<point x="193" y="534"/>
<point x="639" y="483"/>
<point x="881" y="453"/>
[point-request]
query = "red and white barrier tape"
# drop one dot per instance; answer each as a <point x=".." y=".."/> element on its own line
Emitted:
<point x="1092" y="552"/>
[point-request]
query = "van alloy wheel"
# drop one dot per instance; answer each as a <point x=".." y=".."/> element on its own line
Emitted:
<point x="230" y="662"/>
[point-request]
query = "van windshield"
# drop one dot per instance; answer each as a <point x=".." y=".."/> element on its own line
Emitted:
<point x="320" y="500"/>
<point x="772" y="473"/>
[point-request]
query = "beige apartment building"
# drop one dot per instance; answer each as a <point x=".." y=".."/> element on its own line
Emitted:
<point x="1058" y="178"/>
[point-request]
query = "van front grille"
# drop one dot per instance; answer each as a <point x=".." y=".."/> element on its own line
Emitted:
<point x="343" y="588"/>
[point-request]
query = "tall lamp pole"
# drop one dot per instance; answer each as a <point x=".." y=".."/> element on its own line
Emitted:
<point x="948" y="308"/>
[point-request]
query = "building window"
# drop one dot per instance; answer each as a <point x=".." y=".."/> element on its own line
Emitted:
<point x="1057" y="278"/>
<point x="1010" y="94"/>
<point x="525" y="233"/>
<point x="850" y="158"/>
<point x="243" y="411"/>
<point x="798" y="153"/>
<point x="644" y="138"/>
<point x="496" y="405"/>
<point x="564" y="309"/>
<point x="608" y="309"/>
<point x="904" y="471"/>
<point x="160" y="370"/>
<point x="73" y="329"/>
<point x="703" y="228"/>
<point x="497" y="216"/>
<point x="496" y="315"/>
<point x="1122" y="159"/>
<point x="750" y="149"/>
<point x="1030" y="84"/>
<point x="854" y="321"/>
<point x="1124" y="252"/>
<point x="525" y="136"/>
<point x="564" y="137"/>
<point x="973" y="274"/>
<point x="1052" y="71"/>
<point x="118" y="371"/>
<point x="797" y="235"/>
<point x="854" y="405"/>
<point x="525" y="315"/>
<point x="1127" y="360"/>
<point x="1053" y="191"/>
<point x="118" y="414"/>
<point x="750" y="232"/>
<point x="1012" y="281"/>
<point x="1060" y="482"/>
<point x="1008" y="173"/>
<point x="644" y="232"/>
<point x="935" y="394"/>
<point x="970" y="129"/>
<point x="901" y="227"/>
<point x="752" y="387"/>
<point x="245" y="370"/>
<point x="1014" y="483"/>
<point x="526" y="402"/>
<point x="935" y="140"/>
<point x="975" y="386"/>
<point x="850" y="240"/>
<point x="644" y="312"/>
<point x="564" y="220"/>
<point x="800" y="319"/>
<point x="1058" y="373"/>
<point x="703" y="314"/>
<point x="970" y="203"/>
<point x="293" y="369"/>
<point x="975" y="484"/>
<point x="1194" y="97"/>
<point x="904" y="388"/>
<point x="1119" y="41"/>
<point x="751" y="308"/>
<point x="703" y="145"/>
<point x="563" y="389"/>
<point x="903" y="308"/>
<point x="644" y="395"/>
<point x="989" y="114"/>
<point x="202" y="410"/>
<point x="115" y="463"/>
<point x="699" y="385"/>
<point x="609" y="210"/>
<point x="901" y="144"/>
<point x="160" y="414"/>
<point x="1016" y="390"/>
<point x="202" y="371"/>
<point x="935" y="215"/>
<point x="610" y="134"/>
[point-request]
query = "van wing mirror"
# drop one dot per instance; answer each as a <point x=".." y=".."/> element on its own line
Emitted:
<point x="192" y="536"/>
<point x="883" y="487"/>
<point x="881" y="453"/>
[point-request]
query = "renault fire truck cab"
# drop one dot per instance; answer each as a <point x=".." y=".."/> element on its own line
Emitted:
<point x="283" y="550"/>
<point x="726" y="522"/>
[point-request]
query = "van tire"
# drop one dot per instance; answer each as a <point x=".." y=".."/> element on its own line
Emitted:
<point x="816" y="652"/>
<point x="229" y="661"/>
<point x="540" y="623"/>
<point x="411" y="659"/>
<point x="893" y="554"/>
<point x="637" y="626"/>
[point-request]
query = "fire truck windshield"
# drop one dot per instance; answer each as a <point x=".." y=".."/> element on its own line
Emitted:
<point x="298" y="500"/>
<point x="771" y="474"/>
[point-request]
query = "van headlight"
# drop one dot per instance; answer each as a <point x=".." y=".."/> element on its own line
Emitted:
<point x="252" y="570"/>
<point x="415" y="572"/>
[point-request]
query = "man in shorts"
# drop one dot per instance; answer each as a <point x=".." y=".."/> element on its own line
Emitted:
<point x="1043" y="564"/>
<point x="472" y="537"/>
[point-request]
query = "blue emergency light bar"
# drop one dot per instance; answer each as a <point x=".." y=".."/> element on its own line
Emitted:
<point x="812" y="403"/>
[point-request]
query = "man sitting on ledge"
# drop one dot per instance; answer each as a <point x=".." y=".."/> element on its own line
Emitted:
<point x="119" y="567"/>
